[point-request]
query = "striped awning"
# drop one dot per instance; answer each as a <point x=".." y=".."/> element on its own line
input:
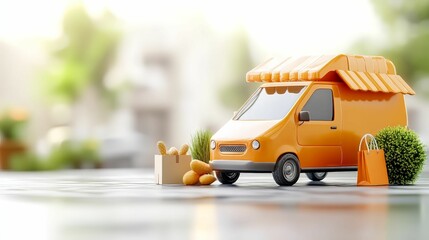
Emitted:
<point x="366" y="73"/>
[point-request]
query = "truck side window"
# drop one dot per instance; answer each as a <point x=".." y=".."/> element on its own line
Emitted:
<point x="320" y="105"/>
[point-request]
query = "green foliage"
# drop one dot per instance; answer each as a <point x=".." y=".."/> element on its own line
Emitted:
<point x="25" y="162"/>
<point x="237" y="90"/>
<point x="11" y="128"/>
<point x="394" y="11"/>
<point x="404" y="153"/>
<point x="407" y="38"/>
<point x="65" y="156"/>
<point x="200" y="145"/>
<point x="82" y="56"/>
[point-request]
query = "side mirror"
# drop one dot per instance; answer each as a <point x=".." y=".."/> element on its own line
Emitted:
<point x="304" y="116"/>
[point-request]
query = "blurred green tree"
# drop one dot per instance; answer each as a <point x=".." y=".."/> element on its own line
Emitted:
<point x="407" y="31"/>
<point x="81" y="56"/>
<point x="237" y="90"/>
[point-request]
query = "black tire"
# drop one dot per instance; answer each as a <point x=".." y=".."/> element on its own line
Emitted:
<point x="316" y="176"/>
<point x="227" y="177"/>
<point x="287" y="170"/>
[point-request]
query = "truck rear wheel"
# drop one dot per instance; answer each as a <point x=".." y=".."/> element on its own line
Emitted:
<point x="287" y="170"/>
<point x="316" y="176"/>
<point x="227" y="177"/>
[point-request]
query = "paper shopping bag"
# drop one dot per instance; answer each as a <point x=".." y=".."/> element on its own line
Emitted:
<point x="371" y="165"/>
<point x="372" y="168"/>
<point x="170" y="169"/>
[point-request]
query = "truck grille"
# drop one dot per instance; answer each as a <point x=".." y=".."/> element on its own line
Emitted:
<point x="232" y="148"/>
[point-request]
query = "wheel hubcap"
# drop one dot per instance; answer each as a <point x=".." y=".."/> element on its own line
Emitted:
<point x="319" y="174"/>
<point x="231" y="175"/>
<point x="289" y="171"/>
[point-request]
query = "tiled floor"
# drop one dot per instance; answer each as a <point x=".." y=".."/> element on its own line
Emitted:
<point x="125" y="204"/>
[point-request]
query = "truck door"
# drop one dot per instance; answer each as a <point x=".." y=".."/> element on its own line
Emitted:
<point x="320" y="138"/>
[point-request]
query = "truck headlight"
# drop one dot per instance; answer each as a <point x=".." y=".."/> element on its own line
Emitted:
<point x="255" y="144"/>
<point x="212" y="144"/>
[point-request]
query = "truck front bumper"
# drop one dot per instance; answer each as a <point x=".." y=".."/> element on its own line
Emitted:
<point x="241" y="166"/>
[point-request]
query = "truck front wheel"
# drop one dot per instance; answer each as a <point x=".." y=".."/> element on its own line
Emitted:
<point x="227" y="177"/>
<point x="287" y="170"/>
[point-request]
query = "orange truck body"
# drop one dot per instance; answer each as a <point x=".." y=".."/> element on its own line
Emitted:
<point x="355" y="95"/>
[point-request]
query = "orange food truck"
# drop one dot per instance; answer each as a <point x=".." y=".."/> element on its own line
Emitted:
<point x="308" y="116"/>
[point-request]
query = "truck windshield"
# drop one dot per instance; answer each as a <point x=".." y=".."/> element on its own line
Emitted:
<point x="270" y="103"/>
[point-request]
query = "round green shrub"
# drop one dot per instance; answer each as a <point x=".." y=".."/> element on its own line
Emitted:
<point x="404" y="153"/>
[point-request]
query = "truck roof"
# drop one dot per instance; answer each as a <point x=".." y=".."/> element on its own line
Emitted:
<point x="366" y="73"/>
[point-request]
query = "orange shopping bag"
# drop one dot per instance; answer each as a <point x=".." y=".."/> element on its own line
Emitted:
<point x="371" y="164"/>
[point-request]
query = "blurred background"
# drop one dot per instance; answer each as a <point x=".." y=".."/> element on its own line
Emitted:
<point x="94" y="84"/>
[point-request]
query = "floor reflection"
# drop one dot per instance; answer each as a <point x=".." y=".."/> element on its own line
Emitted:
<point x="305" y="221"/>
<point x="126" y="205"/>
